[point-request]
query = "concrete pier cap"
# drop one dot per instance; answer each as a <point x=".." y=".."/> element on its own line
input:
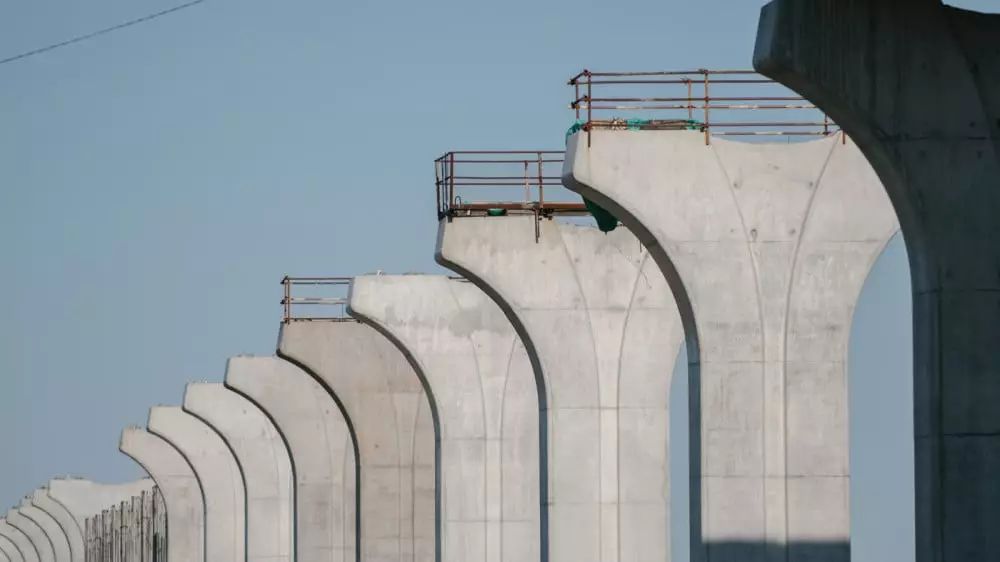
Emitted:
<point x="14" y="537"/>
<point x="390" y="416"/>
<point x="320" y="448"/>
<point x="479" y="379"/>
<point x="53" y="531"/>
<point x="263" y="462"/>
<point x="36" y="536"/>
<point x="181" y="491"/>
<point x="67" y="524"/>
<point x="602" y="334"/>
<point x="915" y="84"/>
<point x="766" y="247"/>
<point x="221" y="482"/>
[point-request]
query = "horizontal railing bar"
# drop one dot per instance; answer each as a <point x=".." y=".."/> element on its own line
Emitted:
<point x="543" y="161"/>
<point x="697" y="80"/>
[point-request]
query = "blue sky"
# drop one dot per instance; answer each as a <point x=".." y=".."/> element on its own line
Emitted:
<point x="157" y="182"/>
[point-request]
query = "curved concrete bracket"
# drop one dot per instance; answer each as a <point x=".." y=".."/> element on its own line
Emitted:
<point x="481" y="381"/>
<point x="64" y="519"/>
<point x="767" y="247"/>
<point x="84" y="499"/>
<point x="390" y="415"/>
<point x="602" y="331"/>
<point x="221" y="482"/>
<point x="35" y="534"/>
<point x="263" y="461"/>
<point x="179" y="486"/>
<point x="319" y="444"/>
<point x="55" y="534"/>
<point x="18" y="547"/>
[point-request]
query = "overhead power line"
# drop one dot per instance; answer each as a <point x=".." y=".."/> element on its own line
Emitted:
<point x="98" y="33"/>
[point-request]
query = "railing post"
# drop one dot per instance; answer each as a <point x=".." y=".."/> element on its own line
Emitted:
<point x="708" y="101"/>
<point x="541" y="183"/>
<point x="690" y="101"/>
<point x="451" y="181"/>
<point x="287" y="301"/>
<point x="590" y="116"/>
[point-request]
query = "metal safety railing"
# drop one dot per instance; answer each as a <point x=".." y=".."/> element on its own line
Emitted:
<point x="715" y="102"/>
<point x="296" y="306"/>
<point x="488" y="183"/>
<point x="131" y="531"/>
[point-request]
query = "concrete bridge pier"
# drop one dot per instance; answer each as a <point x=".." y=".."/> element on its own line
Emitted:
<point x="179" y="486"/>
<point x="602" y="335"/>
<point x="83" y="499"/>
<point x="479" y="380"/>
<point x="53" y="532"/>
<point x="263" y="463"/>
<point x="63" y="518"/>
<point x="320" y="448"/>
<point x="221" y="482"/>
<point x="914" y="83"/>
<point x="391" y="418"/>
<point x="16" y="543"/>
<point x="35" y="534"/>
<point x="766" y="247"/>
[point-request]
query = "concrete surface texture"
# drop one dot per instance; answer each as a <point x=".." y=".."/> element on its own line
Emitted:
<point x="263" y="462"/>
<point x="53" y="532"/>
<point x="36" y="536"/>
<point x="215" y="467"/>
<point x="921" y="101"/>
<point x="600" y="326"/>
<point x="83" y="498"/>
<point x="10" y="551"/>
<point x="390" y="415"/>
<point x="767" y="246"/>
<point x="481" y="384"/>
<point x="67" y="524"/>
<point x="14" y="537"/>
<point x="321" y="450"/>
<point x="179" y="487"/>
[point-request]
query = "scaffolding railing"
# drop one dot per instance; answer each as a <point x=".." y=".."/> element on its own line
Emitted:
<point x="715" y="102"/>
<point x="299" y="307"/>
<point x="502" y="182"/>
<point x="134" y="530"/>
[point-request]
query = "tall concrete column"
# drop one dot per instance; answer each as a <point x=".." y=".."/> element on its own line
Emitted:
<point x="35" y="534"/>
<point x="179" y="486"/>
<point x="321" y="450"/>
<point x="65" y="520"/>
<point x="602" y="333"/>
<point x="83" y="498"/>
<point x="914" y="83"/>
<point x="221" y="482"/>
<point x="263" y="462"/>
<point x="766" y="247"/>
<point x="57" y="537"/>
<point x="480" y="380"/>
<point x="390" y="414"/>
<point x="23" y="550"/>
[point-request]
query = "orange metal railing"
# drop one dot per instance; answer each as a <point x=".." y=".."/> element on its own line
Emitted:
<point x="478" y="183"/>
<point x="296" y="307"/>
<point x="715" y="102"/>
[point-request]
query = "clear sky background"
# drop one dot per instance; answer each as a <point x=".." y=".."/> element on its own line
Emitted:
<point x="157" y="182"/>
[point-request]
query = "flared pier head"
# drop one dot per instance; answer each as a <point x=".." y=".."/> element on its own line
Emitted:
<point x="36" y="536"/>
<point x="602" y="334"/>
<point x="479" y="379"/>
<point x="67" y="524"/>
<point x="766" y="246"/>
<point x="389" y="412"/>
<point x="179" y="486"/>
<point x="53" y="531"/>
<point x="321" y="450"/>
<point x="915" y="84"/>
<point x="22" y="548"/>
<point x="215" y="467"/>
<point x="263" y="462"/>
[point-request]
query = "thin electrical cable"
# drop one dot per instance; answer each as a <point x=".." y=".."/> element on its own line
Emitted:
<point x="98" y="33"/>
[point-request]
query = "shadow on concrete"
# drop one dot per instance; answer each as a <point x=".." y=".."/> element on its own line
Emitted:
<point x="756" y="551"/>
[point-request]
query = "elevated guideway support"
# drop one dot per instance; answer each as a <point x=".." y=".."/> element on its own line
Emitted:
<point x="602" y="335"/>
<point x="915" y="84"/>
<point x="766" y="246"/>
